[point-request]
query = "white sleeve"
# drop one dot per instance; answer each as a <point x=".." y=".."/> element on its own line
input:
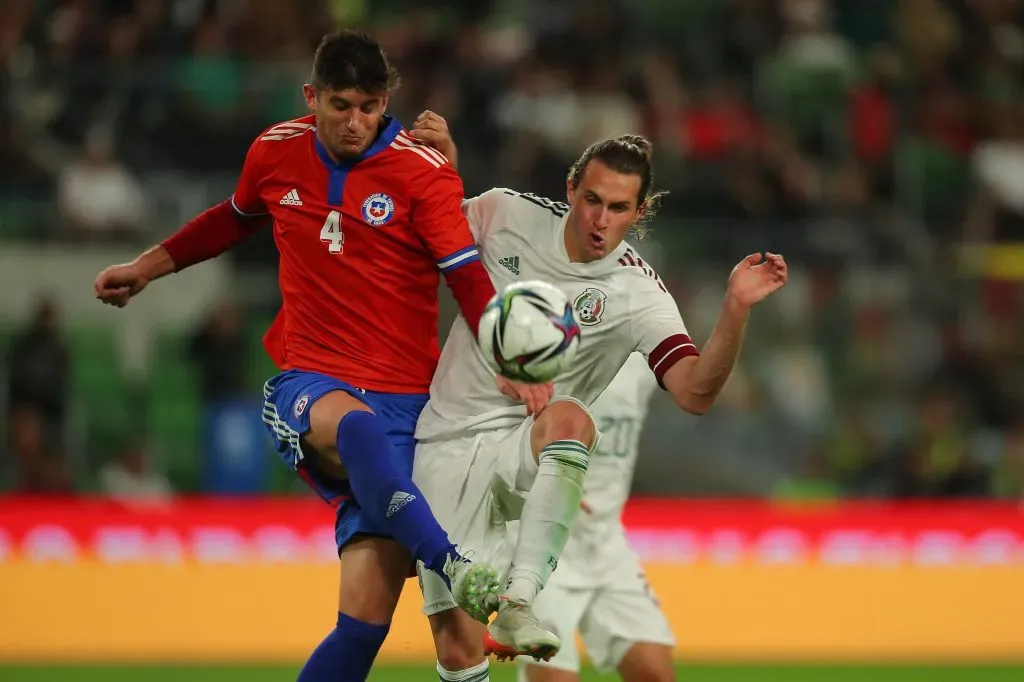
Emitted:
<point x="486" y="211"/>
<point x="658" y="328"/>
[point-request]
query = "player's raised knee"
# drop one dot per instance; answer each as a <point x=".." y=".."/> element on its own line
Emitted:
<point x="564" y="420"/>
<point x="325" y="416"/>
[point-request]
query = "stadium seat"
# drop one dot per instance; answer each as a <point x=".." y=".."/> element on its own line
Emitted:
<point x="99" y="390"/>
<point x="175" y="412"/>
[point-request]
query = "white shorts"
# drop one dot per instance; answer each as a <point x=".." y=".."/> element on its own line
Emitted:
<point x="610" y="620"/>
<point x="475" y="485"/>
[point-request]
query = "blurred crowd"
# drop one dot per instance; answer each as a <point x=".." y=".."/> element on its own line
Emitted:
<point x="879" y="144"/>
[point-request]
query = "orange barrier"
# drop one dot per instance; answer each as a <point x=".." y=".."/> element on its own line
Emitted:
<point x="250" y="580"/>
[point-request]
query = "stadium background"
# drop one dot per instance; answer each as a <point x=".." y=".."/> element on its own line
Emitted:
<point x="854" y="498"/>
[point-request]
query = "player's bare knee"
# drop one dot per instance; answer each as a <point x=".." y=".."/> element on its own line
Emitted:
<point x="563" y="420"/>
<point x="647" y="662"/>
<point x="324" y="416"/>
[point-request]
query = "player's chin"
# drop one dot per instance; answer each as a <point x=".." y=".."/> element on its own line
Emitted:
<point x="351" y="149"/>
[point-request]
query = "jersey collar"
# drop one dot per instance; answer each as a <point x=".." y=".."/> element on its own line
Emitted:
<point x="384" y="138"/>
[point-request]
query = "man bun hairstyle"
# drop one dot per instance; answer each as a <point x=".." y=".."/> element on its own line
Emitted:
<point x="352" y="59"/>
<point x="628" y="155"/>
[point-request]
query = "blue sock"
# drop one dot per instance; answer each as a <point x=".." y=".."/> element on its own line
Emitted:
<point x="346" y="654"/>
<point x="387" y="495"/>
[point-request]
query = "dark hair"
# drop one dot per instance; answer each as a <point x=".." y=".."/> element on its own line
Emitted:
<point x="351" y="59"/>
<point x="628" y="155"/>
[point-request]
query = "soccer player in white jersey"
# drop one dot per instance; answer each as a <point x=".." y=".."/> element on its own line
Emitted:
<point x="599" y="587"/>
<point x="482" y="457"/>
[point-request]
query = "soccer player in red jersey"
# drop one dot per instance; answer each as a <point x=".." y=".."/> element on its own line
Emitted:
<point x="364" y="217"/>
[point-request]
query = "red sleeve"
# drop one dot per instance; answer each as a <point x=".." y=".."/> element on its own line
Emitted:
<point x="210" y="234"/>
<point x="440" y="223"/>
<point x="217" y="229"/>
<point x="246" y="199"/>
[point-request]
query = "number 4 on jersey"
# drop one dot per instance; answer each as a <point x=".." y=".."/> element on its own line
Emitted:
<point x="331" y="233"/>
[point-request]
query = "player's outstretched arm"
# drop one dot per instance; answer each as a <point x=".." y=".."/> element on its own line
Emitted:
<point x="696" y="381"/>
<point x="206" y="236"/>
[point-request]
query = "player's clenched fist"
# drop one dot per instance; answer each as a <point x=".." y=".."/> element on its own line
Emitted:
<point x="118" y="283"/>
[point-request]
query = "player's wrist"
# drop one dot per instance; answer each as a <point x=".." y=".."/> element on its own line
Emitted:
<point x="734" y="306"/>
<point x="154" y="263"/>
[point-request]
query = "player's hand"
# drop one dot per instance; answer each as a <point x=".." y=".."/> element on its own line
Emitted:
<point x="118" y="283"/>
<point x="534" y="396"/>
<point x="755" y="279"/>
<point x="432" y="129"/>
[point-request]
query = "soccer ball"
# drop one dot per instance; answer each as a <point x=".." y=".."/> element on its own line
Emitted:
<point x="528" y="332"/>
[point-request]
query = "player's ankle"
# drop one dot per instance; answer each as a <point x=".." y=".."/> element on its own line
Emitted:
<point x="523" y="587"/>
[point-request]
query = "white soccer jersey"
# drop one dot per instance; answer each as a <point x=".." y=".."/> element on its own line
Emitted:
<point x="620" y="303"/>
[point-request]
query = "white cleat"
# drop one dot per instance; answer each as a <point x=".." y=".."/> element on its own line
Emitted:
<point x="517" y="632"/>
<point x="475" y="586"/>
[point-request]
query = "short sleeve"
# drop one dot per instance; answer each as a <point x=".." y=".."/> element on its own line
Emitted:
<point x="246" y="200"/>
<point x="484" y="212"/>
<point x="440" y="223"/>
<point x="658" y="328"/>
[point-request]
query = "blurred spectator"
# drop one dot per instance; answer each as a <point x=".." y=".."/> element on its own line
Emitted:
<point x="129" y="478"/>
<point x="998" y="211"/>
<point x="218" y="350"/>
<point x="100" y="200"/>
<point x="234" y="440"/>
<point x="939" y="461"/>
<point x="38" y="370"/>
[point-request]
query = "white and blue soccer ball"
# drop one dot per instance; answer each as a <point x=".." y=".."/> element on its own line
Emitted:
<point x="528" y="332"/>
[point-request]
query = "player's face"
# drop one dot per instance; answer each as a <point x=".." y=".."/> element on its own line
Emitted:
<point x="604" y="207"/>
<point x="347" y="121"/>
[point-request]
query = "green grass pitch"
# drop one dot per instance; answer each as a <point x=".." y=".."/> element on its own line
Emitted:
<point x="506" y="673"/>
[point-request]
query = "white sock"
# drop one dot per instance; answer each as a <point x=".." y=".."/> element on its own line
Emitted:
<point x="551" y="506"/>
<point x="478" y="673"/>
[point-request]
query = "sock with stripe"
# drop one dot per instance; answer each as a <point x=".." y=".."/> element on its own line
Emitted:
<point x="478" y="673"/>
<point x="387" y="495"/>
<point x="347" y="654"/>
<point x="551" y="506"/>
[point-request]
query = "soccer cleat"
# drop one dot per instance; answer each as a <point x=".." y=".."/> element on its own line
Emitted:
<point x="518" y="632"/>
<point x="475" y="586"/>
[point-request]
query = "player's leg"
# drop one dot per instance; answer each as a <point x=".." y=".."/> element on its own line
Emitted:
<point x="647" y="662"/>
<point x="458" y="640"/>
<point x="348" y="438"/>
<point x="625" y="629"/>
<point x="456" y="476"/>
<point x="561" y="439"/>
<point x="373" y="572"/>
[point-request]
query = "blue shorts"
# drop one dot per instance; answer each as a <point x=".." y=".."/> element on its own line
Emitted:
<point x="287" y="398"/>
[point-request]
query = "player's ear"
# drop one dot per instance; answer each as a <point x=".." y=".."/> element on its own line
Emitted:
<point x="570" y="191"/>
<point x="383" y="104"/>
<point x="309" y="93"/>
<point x="641" y="210"/>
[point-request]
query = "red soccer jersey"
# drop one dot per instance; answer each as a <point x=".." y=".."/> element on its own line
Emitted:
<point x="361" y="244"/>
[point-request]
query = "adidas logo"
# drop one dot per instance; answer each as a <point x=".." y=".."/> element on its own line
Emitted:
<point x="398" y="500"/>
<point x="511" y="263"/>
<point x="291" y="199"/>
